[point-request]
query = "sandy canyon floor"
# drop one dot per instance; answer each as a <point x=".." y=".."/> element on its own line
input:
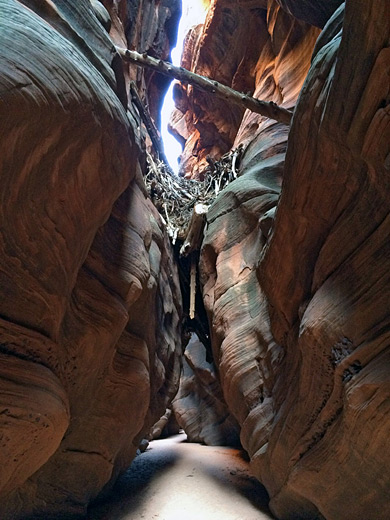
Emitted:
<point x="176" y="480"/>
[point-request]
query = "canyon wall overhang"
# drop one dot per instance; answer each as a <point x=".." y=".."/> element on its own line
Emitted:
<point x="295" y="267"/>
<point x="89" y="296"/>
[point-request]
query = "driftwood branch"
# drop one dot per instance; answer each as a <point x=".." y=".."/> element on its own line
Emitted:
<point x="267" y="109"/>
<point x="195" y="230"/>
<point x="192" y="288"/>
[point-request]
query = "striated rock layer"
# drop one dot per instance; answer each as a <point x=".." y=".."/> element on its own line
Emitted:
<point x="298" y="303"/>
<point x="216" y="50"/>
<point x="328" y="444"/>
<point x="199" y="406"/>
<point x="89" y="294"/>
<point x="235" y="236"/>
<point x="249" y="48"/>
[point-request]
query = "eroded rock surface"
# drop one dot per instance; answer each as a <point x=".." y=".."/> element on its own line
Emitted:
<point x="150" y="26"/>
<point x="166" y="426"/>
<point x="239" y="223"/>
<point x="294" y="264"/>
<point x="333" y="319"/>
<point x="255" y="50"/>
<point x="90" y="302"/>
<point x="219" y="49"/>
<point x="199" y="405"/>
<point x="297" y="287"/>
<point x="315" y="12"/>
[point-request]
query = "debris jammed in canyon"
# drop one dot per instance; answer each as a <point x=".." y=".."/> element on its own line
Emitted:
<point x="176" y="198"/>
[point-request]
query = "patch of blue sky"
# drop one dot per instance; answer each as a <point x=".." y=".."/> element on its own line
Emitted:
<point x="193" y="13"/>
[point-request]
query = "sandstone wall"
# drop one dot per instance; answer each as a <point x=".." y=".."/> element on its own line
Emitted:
<point x="329" y="307"/>
<point x="199" y="405"/>
<point x="225" y="48"/>
<point x="247" y="46"/>
<point x="294" y="264"/>
<point x="89" y="294"/>
<point x="235" y="236"/>
<point x="298" y="303"/>
<point x="149" y="26"/>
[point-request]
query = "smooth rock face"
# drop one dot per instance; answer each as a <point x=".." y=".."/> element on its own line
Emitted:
<point x="298" y="297"/>
<point x="199" y="405"/>
<point x="243" y="347"/>
<point x="239" y="223"/>
<point x="90" y="303"/>
<point x="295" y="276"/>
<point x="328" y="441"/>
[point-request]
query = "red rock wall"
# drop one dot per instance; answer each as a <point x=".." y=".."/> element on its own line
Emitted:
<point x="90" y="300"/>
<point x="199" y="406"/>
<point x="235" y="237"/>
<point x="333" y="319"/>
<point x="245" y="46"/>
<point x="225" y="48"/>
<point x="150" y="26"/>
<point x="298" y="303"/>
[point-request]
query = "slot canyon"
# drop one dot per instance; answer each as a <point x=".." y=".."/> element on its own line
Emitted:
<point x="263" y="334"/>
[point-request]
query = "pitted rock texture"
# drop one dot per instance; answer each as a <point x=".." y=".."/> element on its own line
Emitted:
<point x="260" y="51"/>
<point x="297" y="287"/>
<point x="199" y="405"/>
<point x="90" y="301"/>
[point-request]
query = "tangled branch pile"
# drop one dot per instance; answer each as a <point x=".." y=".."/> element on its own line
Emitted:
<point x="176" y="197"/>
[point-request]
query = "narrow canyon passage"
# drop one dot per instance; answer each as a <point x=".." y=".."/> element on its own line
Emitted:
<point x="244" y="301"/>
<point x="176" y="480"/>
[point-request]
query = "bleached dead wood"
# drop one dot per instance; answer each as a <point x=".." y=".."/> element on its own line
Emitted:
<point x="194" y="235"/>
<point x="267" y="109"/>
<point x="192" y="288"/>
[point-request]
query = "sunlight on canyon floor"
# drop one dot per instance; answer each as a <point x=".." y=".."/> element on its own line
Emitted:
<point x="176" y="480"/>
